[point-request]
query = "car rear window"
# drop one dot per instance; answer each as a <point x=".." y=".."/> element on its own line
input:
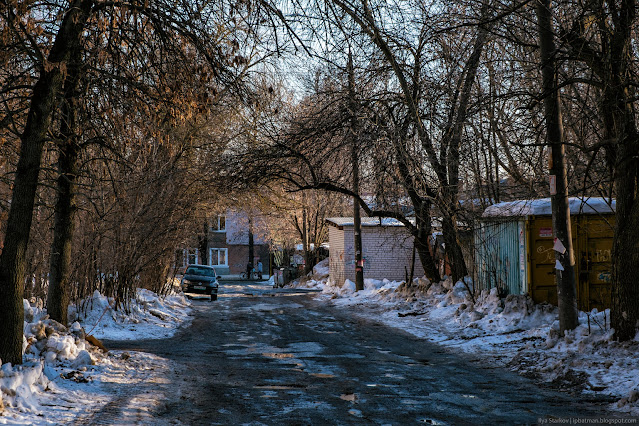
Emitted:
<point x="194" y="270"/>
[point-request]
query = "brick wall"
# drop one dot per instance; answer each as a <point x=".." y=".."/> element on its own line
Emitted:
<point x="387" y="253"/>
<point x="238" y="258"/>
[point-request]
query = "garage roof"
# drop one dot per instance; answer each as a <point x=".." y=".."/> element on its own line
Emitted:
<point x="542" y="207"/>
<point x="366" y="221"/>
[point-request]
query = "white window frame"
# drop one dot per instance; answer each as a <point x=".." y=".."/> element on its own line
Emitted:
<point x="219" y="228"/>
<point x="226" y="256"/>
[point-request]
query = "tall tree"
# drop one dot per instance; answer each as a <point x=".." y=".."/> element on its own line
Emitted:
<point x="565" y="276"/>
<point x="66" y="205"/>
<point x="43" y="104"/>
<point x="601" y="36"/>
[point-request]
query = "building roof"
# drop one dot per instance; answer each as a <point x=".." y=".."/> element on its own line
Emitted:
<point x="366" y="221"/>
<point x="542" y="207"/>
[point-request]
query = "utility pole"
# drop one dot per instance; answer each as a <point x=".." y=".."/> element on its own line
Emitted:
<point x="357" y="220"/>
<point x="251" y="248"/>
<point x="564" y="256"/>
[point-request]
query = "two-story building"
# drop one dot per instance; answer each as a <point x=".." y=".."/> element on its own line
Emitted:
<point x="226" y="245"/>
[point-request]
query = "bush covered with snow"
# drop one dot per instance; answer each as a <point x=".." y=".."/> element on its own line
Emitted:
<point x="158" y="317"/>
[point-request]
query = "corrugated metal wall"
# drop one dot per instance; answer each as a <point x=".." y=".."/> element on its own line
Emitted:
<point x="500" y="250"/>
<point x="336" y="255"/>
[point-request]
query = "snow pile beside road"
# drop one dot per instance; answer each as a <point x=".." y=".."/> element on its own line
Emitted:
<point x="51" y="351"/>
<point x="20" y="387"/>
<point x="317" y="279"/>
<point x="62" y="373"/>
<point x="511" y="331"/>
<point x="321" y="270"/>
<point x="154" y="316"/>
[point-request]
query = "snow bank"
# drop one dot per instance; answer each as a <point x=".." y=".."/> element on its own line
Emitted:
<point x="513" y="332"/>
<point x="316" y="279"/>
<point x="321" y="269"/>
<point x="149" y="314"/>
<point x="57" y="359"/>
<point x="49" y="349"/>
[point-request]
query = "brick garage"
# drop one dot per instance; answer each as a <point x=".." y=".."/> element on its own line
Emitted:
<point x="387" y="249"/>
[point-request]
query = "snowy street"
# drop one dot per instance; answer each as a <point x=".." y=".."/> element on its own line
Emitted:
<point x="316" y="353"/>
<point x="283" y="357"/>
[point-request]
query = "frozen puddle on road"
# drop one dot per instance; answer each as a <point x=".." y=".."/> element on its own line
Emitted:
<point x="268" y="307"/>
<point x="301" y="356"/>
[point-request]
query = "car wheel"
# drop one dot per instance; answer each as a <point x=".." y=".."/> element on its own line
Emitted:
<point x="213" y="297"/>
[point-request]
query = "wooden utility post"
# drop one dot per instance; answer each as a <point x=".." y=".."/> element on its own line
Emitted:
<point x="251" y="248"/>
<point x="565" y="259"/>
<point x="357" y="221"/>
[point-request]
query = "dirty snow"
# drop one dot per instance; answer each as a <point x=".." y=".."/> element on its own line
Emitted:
<point x="512" y="332"/>
<point x="64" y="378"/>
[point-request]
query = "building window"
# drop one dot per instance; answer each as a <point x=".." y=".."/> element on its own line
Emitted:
<point x="219" y="224"/>
<point x="219" y="257"/>
<point x="191" y="256"/>
<point x="185" y="257"/>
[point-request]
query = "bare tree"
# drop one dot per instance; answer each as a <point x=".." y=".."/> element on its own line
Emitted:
<point x="601" y="35"/>
<point x="33" y="137"/>
<point x="566" y="288"/>
<point x="135" y="46"/>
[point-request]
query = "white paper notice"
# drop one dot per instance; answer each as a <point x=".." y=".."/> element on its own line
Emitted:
<point x="558" y="266"/>
<point x="559" y="246"/>
<point x="553" y="185"/>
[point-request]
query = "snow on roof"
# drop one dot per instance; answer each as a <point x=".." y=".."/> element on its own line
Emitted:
<point x="542" y="207"/>
<point x="366" y="221"/>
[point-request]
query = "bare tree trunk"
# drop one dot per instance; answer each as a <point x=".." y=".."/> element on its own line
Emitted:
<point x="566" y="288"/>
<point x="204" y="243"/>
<point x="620" y="126"/>
<point x="43" y="104"/>
<point x="625" y="290"/>
<point x="66" y="205"/>
<point x="612" y="62"/>
<point x="424" y="231"/>
<point x="63" y="228"/>
<point x="453" y="251"/>
<point x="251" y="248"/>
<point x="357" y="221"/>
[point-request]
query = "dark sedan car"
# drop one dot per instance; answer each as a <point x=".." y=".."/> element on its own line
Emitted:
<point x="200" y="279"/>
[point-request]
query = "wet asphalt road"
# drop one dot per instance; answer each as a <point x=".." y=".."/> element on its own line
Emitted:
<point x="259" y="356"/>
